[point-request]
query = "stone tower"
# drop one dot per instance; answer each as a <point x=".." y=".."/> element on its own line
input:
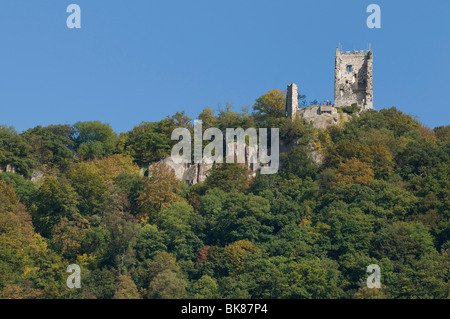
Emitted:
<point x="353" y="79"/>
<point x="292" y="100"/>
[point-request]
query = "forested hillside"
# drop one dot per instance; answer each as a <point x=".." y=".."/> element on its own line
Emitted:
<point x="82" y="194"/>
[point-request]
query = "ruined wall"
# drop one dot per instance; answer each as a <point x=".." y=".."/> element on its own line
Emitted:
<point x="322" y="116"/>
<point x="353" y="81"/>
<point x="292" y="100"/>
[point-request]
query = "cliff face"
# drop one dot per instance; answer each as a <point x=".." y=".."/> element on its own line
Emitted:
<point x="190" y="173"/>
<point x="193" y="173"/>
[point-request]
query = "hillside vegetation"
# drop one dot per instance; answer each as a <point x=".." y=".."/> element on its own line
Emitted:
<point x="381" y="195"/>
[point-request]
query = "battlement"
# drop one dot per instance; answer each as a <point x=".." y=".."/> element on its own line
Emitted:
<point x="355" y="52"/>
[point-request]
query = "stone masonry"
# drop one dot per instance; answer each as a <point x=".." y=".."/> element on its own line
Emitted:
<point x="353" y="84"/>
<point x="353" y="80"/>
<point x="292" y="100"/>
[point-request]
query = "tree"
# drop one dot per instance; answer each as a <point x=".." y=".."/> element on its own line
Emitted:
<point x="111" y="167"/>
<point x="51" y="146"/>
<point x="28" y="268"/>
<point x="123" y="230"/>
<point x="178" y="222"/>
<point x="90" y="185"/>
<point x="381" y="196"/>
<point x="235" y="216"/>
<point x="403" y="242"/>
<point x="228" y="177"/>
<point x="56" y="199"/>
<point x="418" y="156"/>
<point x="443" y="133"/>
<point x="346" y="149"/>
<point x="126" y="288"/>
<point x="150" y="242"/>
<point x="94" y="139"/>
<point x="350" y="230"/>
<point x="161" y="262"/>
<point x="205" y="288"/>
<point x="229" y="119"/>
<point x="160" y="190"/>
<point x="208" y="118"/>
<point x="353" y="171"/>
<point x="367" y="293"/>
<point x="401" y="124"/>
<point x="269" y="109"/>
<point x="180" y="119"/>
<point x="240" y="251"/>
<point x="296" y="130"/>
<point x="298" y="162"/>
<point x="100" y="282"/>
<point x="312" y="278"/>
<point x="381" y="161"/>
<point x="149" y="142"/>
<point x="166" y="285"/>
<point x="68" y="235"/>
<point x="14" y="151"/>
<point x="25" y="190"/>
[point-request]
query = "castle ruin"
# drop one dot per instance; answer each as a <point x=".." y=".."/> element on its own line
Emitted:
<point x="353" y="79"/>
<point x="353" y="85"/>
<point x="292" y="100"/>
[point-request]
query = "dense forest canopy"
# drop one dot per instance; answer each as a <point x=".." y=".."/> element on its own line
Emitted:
<point x="82" y="194"/>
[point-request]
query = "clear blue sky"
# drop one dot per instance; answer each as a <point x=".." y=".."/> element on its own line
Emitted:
<point x="142" y="60"/>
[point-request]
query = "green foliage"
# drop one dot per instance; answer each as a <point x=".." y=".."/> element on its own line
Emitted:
<point x="56" y="199"/>
<point x="28" y="268"/>
<point x="151" y="141"/>
<point x="269" y="109"/>
<point x="14" y="151"/>
<point x="298" y="162"/>
<point x="208" y="118"/>
<point x="126" y="288"/>
<point x="228" y="177"/>
<point x="296" y="130"/>
<point x="177" y="222"/>
<point x="235" y="216"/>
<point x="350" y="109"/>
<point x="52" y="145"/>
<point x="205" y="288"/>
<point x="25" y="190"/>
<point x="166" y="285"/>
<point x="90" y="186"/>
<point x="99" y="282"/>
<point x="229" y="119"/>
<point x="376" y="190"/>
<point x="443" y="133"/>
<point x="94" y="139"/>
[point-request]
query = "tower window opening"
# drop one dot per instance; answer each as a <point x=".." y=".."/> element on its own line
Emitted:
<point x="349" y="68"/>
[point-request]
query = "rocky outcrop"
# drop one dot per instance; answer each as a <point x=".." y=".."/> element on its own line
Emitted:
<point x="8" y="169"/>
<point x="37" y="175"/>
<point x="193" y="173"/>
<point x="322" y="116"/>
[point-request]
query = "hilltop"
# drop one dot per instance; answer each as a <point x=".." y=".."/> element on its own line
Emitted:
<point x="373" y="189"/>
